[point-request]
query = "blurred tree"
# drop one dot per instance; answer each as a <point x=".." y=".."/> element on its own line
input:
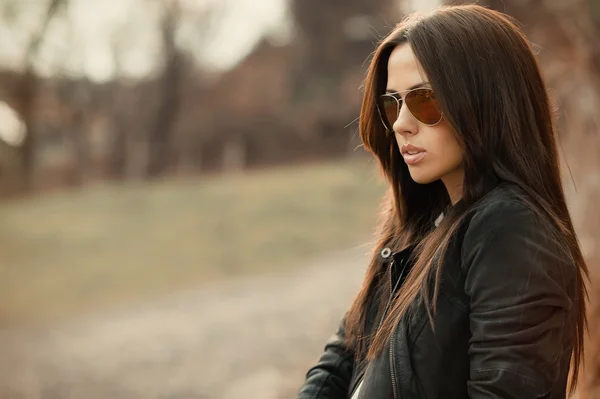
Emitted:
<point x="197" y="31"/>
<point x="117" y="161"/>
<point x="284" y="102"/>
<point x="160" y="135"/>
<point x="336" y="35"/>
<point x="84" y="99"/>
<point x="335" y="39"/>
<point x="26" y="88"/>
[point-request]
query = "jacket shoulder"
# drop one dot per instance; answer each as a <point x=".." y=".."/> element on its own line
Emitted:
<point x="503" y="211"/>
<point x="505" y="221"/>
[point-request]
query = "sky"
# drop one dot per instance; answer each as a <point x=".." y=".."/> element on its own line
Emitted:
<point x="85" y="38"/>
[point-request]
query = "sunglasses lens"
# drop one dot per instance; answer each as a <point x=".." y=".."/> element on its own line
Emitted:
<point x="388" y="108"/>
<point x="423" y="104"/>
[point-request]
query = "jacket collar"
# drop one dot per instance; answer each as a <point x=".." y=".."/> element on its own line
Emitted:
<point x="403" y="255"/>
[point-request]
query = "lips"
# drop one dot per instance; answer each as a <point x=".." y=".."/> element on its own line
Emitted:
<point x="412" y="154"/>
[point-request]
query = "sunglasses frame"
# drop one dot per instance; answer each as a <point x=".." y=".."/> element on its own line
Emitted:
<point x="400" y="106"/>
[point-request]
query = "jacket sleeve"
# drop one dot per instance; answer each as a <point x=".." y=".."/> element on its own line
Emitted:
<point x="518" y="281"/>
<point x="330" y="377"/>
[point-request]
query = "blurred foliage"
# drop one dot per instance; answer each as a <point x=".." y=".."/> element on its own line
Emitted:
<point x="283" y="103"/>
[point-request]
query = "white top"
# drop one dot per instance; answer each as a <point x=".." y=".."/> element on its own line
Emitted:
<point x="357" y="390"/>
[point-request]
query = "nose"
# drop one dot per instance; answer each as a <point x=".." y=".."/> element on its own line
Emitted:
<point x="405" y="124"/>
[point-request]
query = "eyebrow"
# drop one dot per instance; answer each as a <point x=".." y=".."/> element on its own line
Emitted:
<point x="422" y="84"/>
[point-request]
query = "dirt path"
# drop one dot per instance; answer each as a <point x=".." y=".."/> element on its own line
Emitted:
<point x="251" y="338"/>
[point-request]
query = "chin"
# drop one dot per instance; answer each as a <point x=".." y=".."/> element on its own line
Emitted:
<point x="422" y="178"/>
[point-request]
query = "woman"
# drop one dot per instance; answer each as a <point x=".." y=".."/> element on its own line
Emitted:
<point x="476" y="285"/>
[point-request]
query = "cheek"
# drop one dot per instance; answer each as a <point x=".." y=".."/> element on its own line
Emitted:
<point x="448" y="151"/>
<point x="452" y="152"/>
<point x="398" y="141"/>
<point x="442" y="142"/>
<point x="445" y="156"/>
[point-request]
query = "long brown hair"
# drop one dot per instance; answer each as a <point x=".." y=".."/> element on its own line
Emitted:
<point x="489" y="85"/>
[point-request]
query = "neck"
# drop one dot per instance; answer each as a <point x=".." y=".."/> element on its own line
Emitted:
<point x="454" y="184"/>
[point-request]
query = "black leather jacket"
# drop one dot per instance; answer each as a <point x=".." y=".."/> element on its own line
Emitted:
<point x="500" y="326"/>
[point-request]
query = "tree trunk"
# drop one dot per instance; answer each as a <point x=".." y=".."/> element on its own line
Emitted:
<point x="160" y="134"/>
<point x="26" y="95"/>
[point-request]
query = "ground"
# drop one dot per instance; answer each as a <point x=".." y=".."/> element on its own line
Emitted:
<point x="253" y="337"/>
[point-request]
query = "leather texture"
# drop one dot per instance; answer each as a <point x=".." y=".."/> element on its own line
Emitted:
<point x="500" y="330"/>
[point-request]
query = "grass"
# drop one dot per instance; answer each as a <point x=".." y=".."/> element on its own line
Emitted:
<point x="73" y="252"/>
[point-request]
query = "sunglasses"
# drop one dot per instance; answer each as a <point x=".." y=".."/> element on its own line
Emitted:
<point x="421" y="103"/>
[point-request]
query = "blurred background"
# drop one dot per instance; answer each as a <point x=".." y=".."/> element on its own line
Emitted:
<point x="186" y="210"/>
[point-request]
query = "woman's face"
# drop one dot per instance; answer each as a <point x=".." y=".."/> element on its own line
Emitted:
<point x="442" y="156"/>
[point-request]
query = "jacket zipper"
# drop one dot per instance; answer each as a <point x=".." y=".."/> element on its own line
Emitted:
<point x="395" y="286"/>
<point x="392" y="368"/>
<point x="392" y="288"/>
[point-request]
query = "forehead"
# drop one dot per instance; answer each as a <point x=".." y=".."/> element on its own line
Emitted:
<point x="403" y="69"/>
